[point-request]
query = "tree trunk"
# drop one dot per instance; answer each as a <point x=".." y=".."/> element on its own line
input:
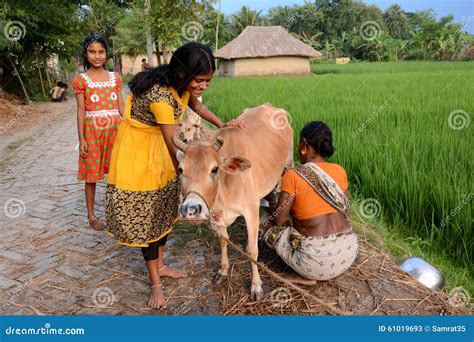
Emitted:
<point x="75" y="61"/>
<point x="149" y="40"/>
<point x="133" y="60"/>
<point x="48" y="78"/>
<point x="217" y="26"/>
<point x="149" y="48"/>
<point x="66" y="76"/>
<point x="118" y="62"/>
<point x="158" y="53"/>
<point x="41" y="77"/>
<point x="21" y="81"/>
<point x="165" y="53"/>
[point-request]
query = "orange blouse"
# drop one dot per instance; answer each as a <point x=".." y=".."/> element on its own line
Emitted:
<point x="308" y="203"/>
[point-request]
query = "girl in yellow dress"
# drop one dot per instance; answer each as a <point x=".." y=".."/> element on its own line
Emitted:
<point x="143" y="188"/>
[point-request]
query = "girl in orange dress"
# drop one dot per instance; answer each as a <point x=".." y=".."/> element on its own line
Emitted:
<point x="99" y="109"/>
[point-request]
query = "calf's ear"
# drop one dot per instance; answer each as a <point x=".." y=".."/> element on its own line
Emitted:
<point x="234" y="165"/>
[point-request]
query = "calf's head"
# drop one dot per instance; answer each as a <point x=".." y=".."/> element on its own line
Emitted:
<point x="201" y="170"/>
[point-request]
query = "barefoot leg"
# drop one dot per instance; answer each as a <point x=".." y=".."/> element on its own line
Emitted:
<point x="297" y="279"/>
<point x="157" y="299"/>
<point x="90" y="200"/>
<point x="165" y="271"/>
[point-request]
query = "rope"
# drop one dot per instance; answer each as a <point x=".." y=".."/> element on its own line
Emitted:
<point x="278" y="277"/>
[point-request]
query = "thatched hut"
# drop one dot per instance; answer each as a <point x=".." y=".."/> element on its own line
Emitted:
<point x="265" y="50"/>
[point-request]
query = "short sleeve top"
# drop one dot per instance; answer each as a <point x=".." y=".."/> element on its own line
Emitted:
<point x="308" y="203"/>
<point x="98" y="96"/>
<point x="161" y="104"/>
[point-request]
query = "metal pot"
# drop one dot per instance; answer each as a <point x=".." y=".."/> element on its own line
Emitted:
<point x="424" y="272"/>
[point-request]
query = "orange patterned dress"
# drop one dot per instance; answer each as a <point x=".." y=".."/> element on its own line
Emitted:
<point x="100" y="124"/>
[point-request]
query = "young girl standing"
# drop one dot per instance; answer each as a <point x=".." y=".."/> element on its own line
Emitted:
<point x="99" y="108"/>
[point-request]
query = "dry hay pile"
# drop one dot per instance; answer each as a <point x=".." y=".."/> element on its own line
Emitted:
<point x="374" y="285"/>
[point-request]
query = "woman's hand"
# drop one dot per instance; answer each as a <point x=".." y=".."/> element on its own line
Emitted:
<point x="237" y="122"/>
<point x="83" y="149"/>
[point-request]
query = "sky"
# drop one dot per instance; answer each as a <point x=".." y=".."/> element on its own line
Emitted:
<point x="462" y="10"/>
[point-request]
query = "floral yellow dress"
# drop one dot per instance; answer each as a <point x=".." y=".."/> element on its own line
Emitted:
<point x="143" y="190"/>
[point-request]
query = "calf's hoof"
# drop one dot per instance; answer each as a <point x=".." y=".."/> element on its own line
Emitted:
<point x="220" y="278"/>
<point x="256" y="293"/>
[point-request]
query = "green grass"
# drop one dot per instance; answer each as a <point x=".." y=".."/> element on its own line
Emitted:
<point x="391" y="131"/>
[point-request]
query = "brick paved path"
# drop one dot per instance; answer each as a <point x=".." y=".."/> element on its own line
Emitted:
<point x="51" y="262"/>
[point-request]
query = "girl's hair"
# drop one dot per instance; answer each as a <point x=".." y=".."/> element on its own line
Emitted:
<point x="188" y="61"/>
<point x="318" y="135"/>
<point x="93" y="38"/>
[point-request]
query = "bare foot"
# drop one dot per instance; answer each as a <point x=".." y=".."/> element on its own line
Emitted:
<point x="166" y="271"/>
<point x="96" y="223"/>
<point x="157" y="299"/>
<point x="297" y="279"/>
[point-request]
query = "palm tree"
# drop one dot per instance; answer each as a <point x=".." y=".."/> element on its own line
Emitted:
<point x="245" y="17"/>
<point x="396" y="21"/>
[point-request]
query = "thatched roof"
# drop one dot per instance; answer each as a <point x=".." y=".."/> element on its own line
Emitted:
<point x="265" y="41"/>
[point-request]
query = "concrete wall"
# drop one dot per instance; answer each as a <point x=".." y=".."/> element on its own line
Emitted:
<point x="264" y="66"/>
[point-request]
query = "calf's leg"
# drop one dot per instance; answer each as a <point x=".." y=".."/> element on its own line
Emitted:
<point x="224" y="269"/>
<point x="251" y="219"/>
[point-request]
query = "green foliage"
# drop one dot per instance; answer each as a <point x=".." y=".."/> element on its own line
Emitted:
<point x="336" y="28"/>
<point x="39" y="30"/>
<point x="52" y="28"/>
<point x="168" y="19"/>
<point x="130" y="35"/>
